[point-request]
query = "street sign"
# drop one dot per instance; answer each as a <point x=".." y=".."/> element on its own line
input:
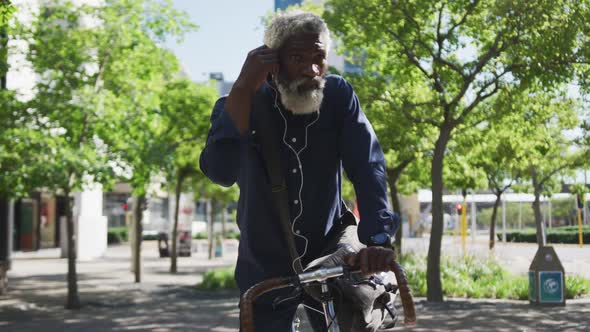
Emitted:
<point x="551" y="287"/>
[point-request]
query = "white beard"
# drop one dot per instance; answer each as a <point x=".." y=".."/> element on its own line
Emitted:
<point x="301" y="102"/>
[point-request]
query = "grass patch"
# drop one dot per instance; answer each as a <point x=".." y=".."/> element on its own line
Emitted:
<point x="468" y="276"/>
<point x="216" y="279"/>
<point x="576" y="286"/>
<point x="200" y="236"/>
<point x="473" y="277"/>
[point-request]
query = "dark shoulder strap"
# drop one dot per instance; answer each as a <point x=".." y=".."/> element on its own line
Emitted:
<point x="269" y="138"/>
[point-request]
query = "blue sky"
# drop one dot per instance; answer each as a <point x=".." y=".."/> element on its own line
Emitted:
<point x="228" y="30"/>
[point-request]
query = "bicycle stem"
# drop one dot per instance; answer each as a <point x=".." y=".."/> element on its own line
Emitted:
<point x="328" y="306"/>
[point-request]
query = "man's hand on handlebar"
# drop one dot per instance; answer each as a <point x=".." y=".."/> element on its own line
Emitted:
<point x="372" y="260"/>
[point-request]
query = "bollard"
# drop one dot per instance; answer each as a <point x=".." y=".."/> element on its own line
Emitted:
<point x="546" y="278"/>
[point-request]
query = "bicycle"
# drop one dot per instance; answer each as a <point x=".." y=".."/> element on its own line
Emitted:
<point x="320" y="277"/>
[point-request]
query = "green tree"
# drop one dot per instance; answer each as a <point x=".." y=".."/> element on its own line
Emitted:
<point x="98" y="65"/>
<point x="185" y="110"/>
<point x="137" y="70"/>
<point x="67" y="113"/>
<point x="403" y="141"/>
<point x="495" y="147"/>
<point x="550" y="150"/>
<point x="217" y="196"/>
<point x="465" y="52"/>
<point x="6" y="12"/>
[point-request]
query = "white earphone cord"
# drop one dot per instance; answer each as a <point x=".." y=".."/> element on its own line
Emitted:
<point x="300" y="174"/>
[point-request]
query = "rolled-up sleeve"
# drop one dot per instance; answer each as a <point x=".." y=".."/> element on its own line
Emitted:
<point x="219" y="160"/>
<point x="364" y="163"/>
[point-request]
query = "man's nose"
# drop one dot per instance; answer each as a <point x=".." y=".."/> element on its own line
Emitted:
<point x="311" y="70"/>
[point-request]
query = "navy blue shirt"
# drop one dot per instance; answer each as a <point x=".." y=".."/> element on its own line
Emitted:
<point x="315" y="148"/>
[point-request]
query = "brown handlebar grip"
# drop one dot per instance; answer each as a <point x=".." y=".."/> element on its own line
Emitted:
<point x="405" y="294"/>
<point x="248" y="298"/>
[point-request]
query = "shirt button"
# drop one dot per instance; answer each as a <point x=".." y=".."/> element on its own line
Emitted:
<point x="296" y="201"/>
<point x="294" y="170"/>
<point x="253" y="132"/>
<point x="297" y="232"/>
<point x="293" y="139"/>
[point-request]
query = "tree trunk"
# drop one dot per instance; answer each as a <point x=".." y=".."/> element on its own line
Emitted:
<point x="138" y="229"/>
<point x="434" y="291"/>
<point x="392" y="179"/>
<point x="223" y="221"/>
<point x="4" y="203"/>
<point x="3" y="279"/>
<point x="174" y="254"/>
<point x="73" y="300"/>
<point x="493" y="221"/>
<point x="541" y="239"/>
<point x="5" y="248"/>
<point x="213" y="211"/>
<point x="3" y="55"/>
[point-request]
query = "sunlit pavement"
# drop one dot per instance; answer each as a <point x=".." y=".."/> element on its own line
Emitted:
<point x="165" y="302"/>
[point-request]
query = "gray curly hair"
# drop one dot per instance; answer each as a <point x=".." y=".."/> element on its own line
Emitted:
<point x="294" y="22"/>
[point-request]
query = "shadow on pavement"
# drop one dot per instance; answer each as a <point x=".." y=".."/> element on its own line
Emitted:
<point x="157" y="309"/>
<point x="481" y="315"/>
<point x="35" y="303"/>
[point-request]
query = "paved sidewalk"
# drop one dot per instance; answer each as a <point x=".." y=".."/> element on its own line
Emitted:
<point x="165" y="302"/>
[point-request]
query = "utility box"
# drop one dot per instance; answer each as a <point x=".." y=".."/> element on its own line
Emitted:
<point x="546" y="278"/>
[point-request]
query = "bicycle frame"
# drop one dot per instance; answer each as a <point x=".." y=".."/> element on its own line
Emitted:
<point x="322" y="276"/>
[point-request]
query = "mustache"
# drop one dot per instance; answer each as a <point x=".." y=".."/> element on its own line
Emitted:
<point x="304" y="84"/>
<point x="308" y="84"/>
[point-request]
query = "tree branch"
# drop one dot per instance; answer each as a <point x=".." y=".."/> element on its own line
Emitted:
<point x="410" y="54"/>
<point x="405" y="110"/>
<point x="481" y="96"/>
<point x="468" y="12"/>
<point x="401" y="166"/>
<point x="439" y="37"/>
<point x="574" y="163"/>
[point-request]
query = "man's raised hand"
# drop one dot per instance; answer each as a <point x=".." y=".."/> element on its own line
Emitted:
<point x="259" y="63"/>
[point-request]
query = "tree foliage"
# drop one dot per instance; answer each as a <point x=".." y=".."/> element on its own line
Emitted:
<point x="463" y="52"/>
<point x="99" y="70"/>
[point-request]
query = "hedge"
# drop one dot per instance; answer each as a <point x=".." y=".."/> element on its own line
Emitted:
<point x="117" y="235"/>
<point x="567" y="234"/>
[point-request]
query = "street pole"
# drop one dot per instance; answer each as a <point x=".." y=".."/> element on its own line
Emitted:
<point x="550" y="214"/>
<point x="10" y="230"/>
<point x="520" y="215"/>
<point x="473" y="212"/>
<point x="580" y="229"/>
<point x="544" y="212"/>
<point x="585" y="213"/>
<point x="464" y="224"/>
<point x="503" y="218"/>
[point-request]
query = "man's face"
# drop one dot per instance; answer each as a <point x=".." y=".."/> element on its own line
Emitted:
<point x="303" y="57"/>
<point x="301" y="73"/>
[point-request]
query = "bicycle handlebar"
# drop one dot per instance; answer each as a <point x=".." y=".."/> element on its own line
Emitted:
<point x="248" y="298"/>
